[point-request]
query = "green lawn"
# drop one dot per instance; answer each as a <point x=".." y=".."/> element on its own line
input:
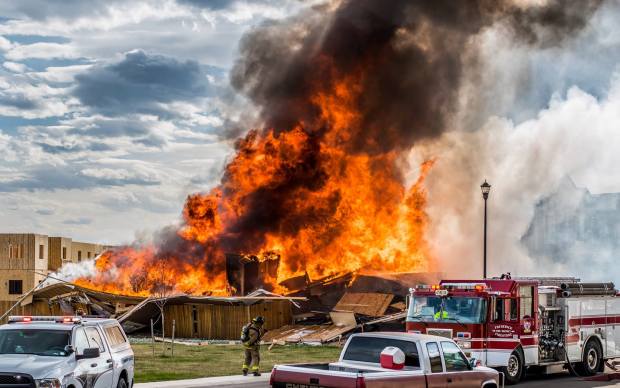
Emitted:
<point x="217" y="360"/>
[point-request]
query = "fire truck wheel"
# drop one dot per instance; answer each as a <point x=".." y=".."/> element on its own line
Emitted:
<point x="514" y="370"/>
<point x="592" y="358"/>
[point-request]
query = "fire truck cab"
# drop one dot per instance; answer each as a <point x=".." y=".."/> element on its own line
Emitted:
<point x="515" y="324"/>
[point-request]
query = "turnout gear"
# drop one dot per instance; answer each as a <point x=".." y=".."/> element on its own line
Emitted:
<point x="251" y="335"/>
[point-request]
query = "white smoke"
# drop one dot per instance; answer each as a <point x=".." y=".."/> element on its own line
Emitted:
<point x="71" y="271"/>
<point x="577" y="136"/>
<point x="530" y="120"/>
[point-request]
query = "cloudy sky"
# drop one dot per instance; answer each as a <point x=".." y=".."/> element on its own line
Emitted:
<point x="111" y="112"/>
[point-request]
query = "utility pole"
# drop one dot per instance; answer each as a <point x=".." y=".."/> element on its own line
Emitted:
<point x="486" y="188"/>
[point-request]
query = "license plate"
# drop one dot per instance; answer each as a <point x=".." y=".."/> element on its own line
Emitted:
<point x="295" y="385"/>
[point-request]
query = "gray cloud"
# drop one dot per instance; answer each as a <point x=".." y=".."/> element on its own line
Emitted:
<point x="152" y="140"/>
<point x="108" y="127"/>
<point x="18" y="101"/>
<point x="214" y="5"/>
<point x="69" y="178"/>
<point x="43" y="9"/>
<point x="78" y="221"/>
<point x="71" y="148"/>
<point x="140" y="82"/>
<point x="127" y="201"/>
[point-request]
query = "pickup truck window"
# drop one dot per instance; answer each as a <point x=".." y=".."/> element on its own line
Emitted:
<point x="38" y="342"/>
<point x="454" y="358"/>
<point x="81" y="341"/>
<point x="115" y="336"/>
<point x="434" y="357"/>
<point x="368" y="349"/>
<point x="94" y="339"/>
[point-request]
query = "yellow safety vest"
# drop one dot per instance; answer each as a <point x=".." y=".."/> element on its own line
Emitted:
<point x="439" y="313"/>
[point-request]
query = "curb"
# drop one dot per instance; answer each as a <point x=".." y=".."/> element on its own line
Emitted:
<point x="220" y="381"/>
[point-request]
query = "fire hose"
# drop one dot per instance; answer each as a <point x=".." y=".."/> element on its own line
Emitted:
<point x="570" y="365"/>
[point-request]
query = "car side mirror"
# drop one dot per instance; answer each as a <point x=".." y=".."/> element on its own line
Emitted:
<point x="69" y="349"/>
<point x="473" y="362"/>
<point x="88" y="353"/>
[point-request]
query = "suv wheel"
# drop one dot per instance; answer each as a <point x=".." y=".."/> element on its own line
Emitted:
<point x="121" y="383"/>
<point x="514" y="370"/>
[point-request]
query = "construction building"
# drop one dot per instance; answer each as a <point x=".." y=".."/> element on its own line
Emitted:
<point x="26" y="258"/>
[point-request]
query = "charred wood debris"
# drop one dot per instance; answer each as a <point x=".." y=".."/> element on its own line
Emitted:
<point x="334" y="306"/>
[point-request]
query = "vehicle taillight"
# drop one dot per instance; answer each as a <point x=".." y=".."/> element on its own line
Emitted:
<point x="360" y="382"/>
<point x="272" y="379"/>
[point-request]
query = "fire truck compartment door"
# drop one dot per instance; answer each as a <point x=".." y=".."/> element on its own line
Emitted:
<point x="613" y="313"/>
<point x="594" y="320"/>
<point x="573" y="312"/>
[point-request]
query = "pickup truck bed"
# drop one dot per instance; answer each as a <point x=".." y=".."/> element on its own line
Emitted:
<point x="320" y="375"/>
<point x="356" y="369"/>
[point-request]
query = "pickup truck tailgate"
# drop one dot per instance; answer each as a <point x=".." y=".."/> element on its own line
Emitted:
<point x="299" y="377"/>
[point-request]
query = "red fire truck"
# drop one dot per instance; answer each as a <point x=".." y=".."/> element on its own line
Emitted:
<point x="547" y="324"/>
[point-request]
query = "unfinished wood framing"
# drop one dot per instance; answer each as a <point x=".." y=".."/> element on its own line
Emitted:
<point x="221" y="321"/>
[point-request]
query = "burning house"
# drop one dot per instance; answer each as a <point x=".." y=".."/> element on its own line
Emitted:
<point x="319" y="199"/>
<point x="204" y="317"/>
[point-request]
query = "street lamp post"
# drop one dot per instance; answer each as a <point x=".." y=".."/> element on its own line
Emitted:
<point x="486" y="188"/>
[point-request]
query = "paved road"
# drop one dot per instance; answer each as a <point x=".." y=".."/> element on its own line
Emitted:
<point x="562" y="380"/>
<point x="213" y="382"/>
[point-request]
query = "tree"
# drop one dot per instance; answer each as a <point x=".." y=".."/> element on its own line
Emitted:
<point x="161" y="288"/>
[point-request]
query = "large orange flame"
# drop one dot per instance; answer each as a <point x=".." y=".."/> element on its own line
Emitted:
<point x="351" y="212"/>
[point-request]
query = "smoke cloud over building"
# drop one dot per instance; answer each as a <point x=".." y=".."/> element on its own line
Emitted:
<point x="364" y="151"/>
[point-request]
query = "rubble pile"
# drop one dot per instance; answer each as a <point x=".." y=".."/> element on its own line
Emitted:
<point x="347" y="303"/>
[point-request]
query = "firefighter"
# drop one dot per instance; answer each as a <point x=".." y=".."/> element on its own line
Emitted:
<point x="250" y="336"/>
<point x="443" y="314"/>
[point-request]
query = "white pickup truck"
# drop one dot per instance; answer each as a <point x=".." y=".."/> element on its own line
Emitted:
<point x="64" y="352"/>
<point x="429" y="361"/>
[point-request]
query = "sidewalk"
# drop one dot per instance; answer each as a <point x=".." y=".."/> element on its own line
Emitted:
<point x="221" y="381"/>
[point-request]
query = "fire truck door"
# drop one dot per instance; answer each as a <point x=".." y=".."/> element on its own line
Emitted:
<point x="503" y="331"/>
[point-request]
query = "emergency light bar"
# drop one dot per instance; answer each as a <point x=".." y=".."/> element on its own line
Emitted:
<point x="465" y="286"/>
<point x="56" y="319"/>
<point x="427" y="287"/>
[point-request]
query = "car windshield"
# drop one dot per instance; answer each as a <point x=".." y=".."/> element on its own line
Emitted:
<point x="448" y="309"/>
<point x="32" y="341"/>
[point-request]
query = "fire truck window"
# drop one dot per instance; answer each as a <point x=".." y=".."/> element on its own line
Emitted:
<point x="506" y="310"/>
<point x="499" y="310"/>
<point x="513" y="310"/>
<point x="454" y="358"/>
<point x="434" y="357"/>
<point x="526" y="294"/>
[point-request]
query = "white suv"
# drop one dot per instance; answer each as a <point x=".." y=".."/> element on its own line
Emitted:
<point x="65" y="352"/>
